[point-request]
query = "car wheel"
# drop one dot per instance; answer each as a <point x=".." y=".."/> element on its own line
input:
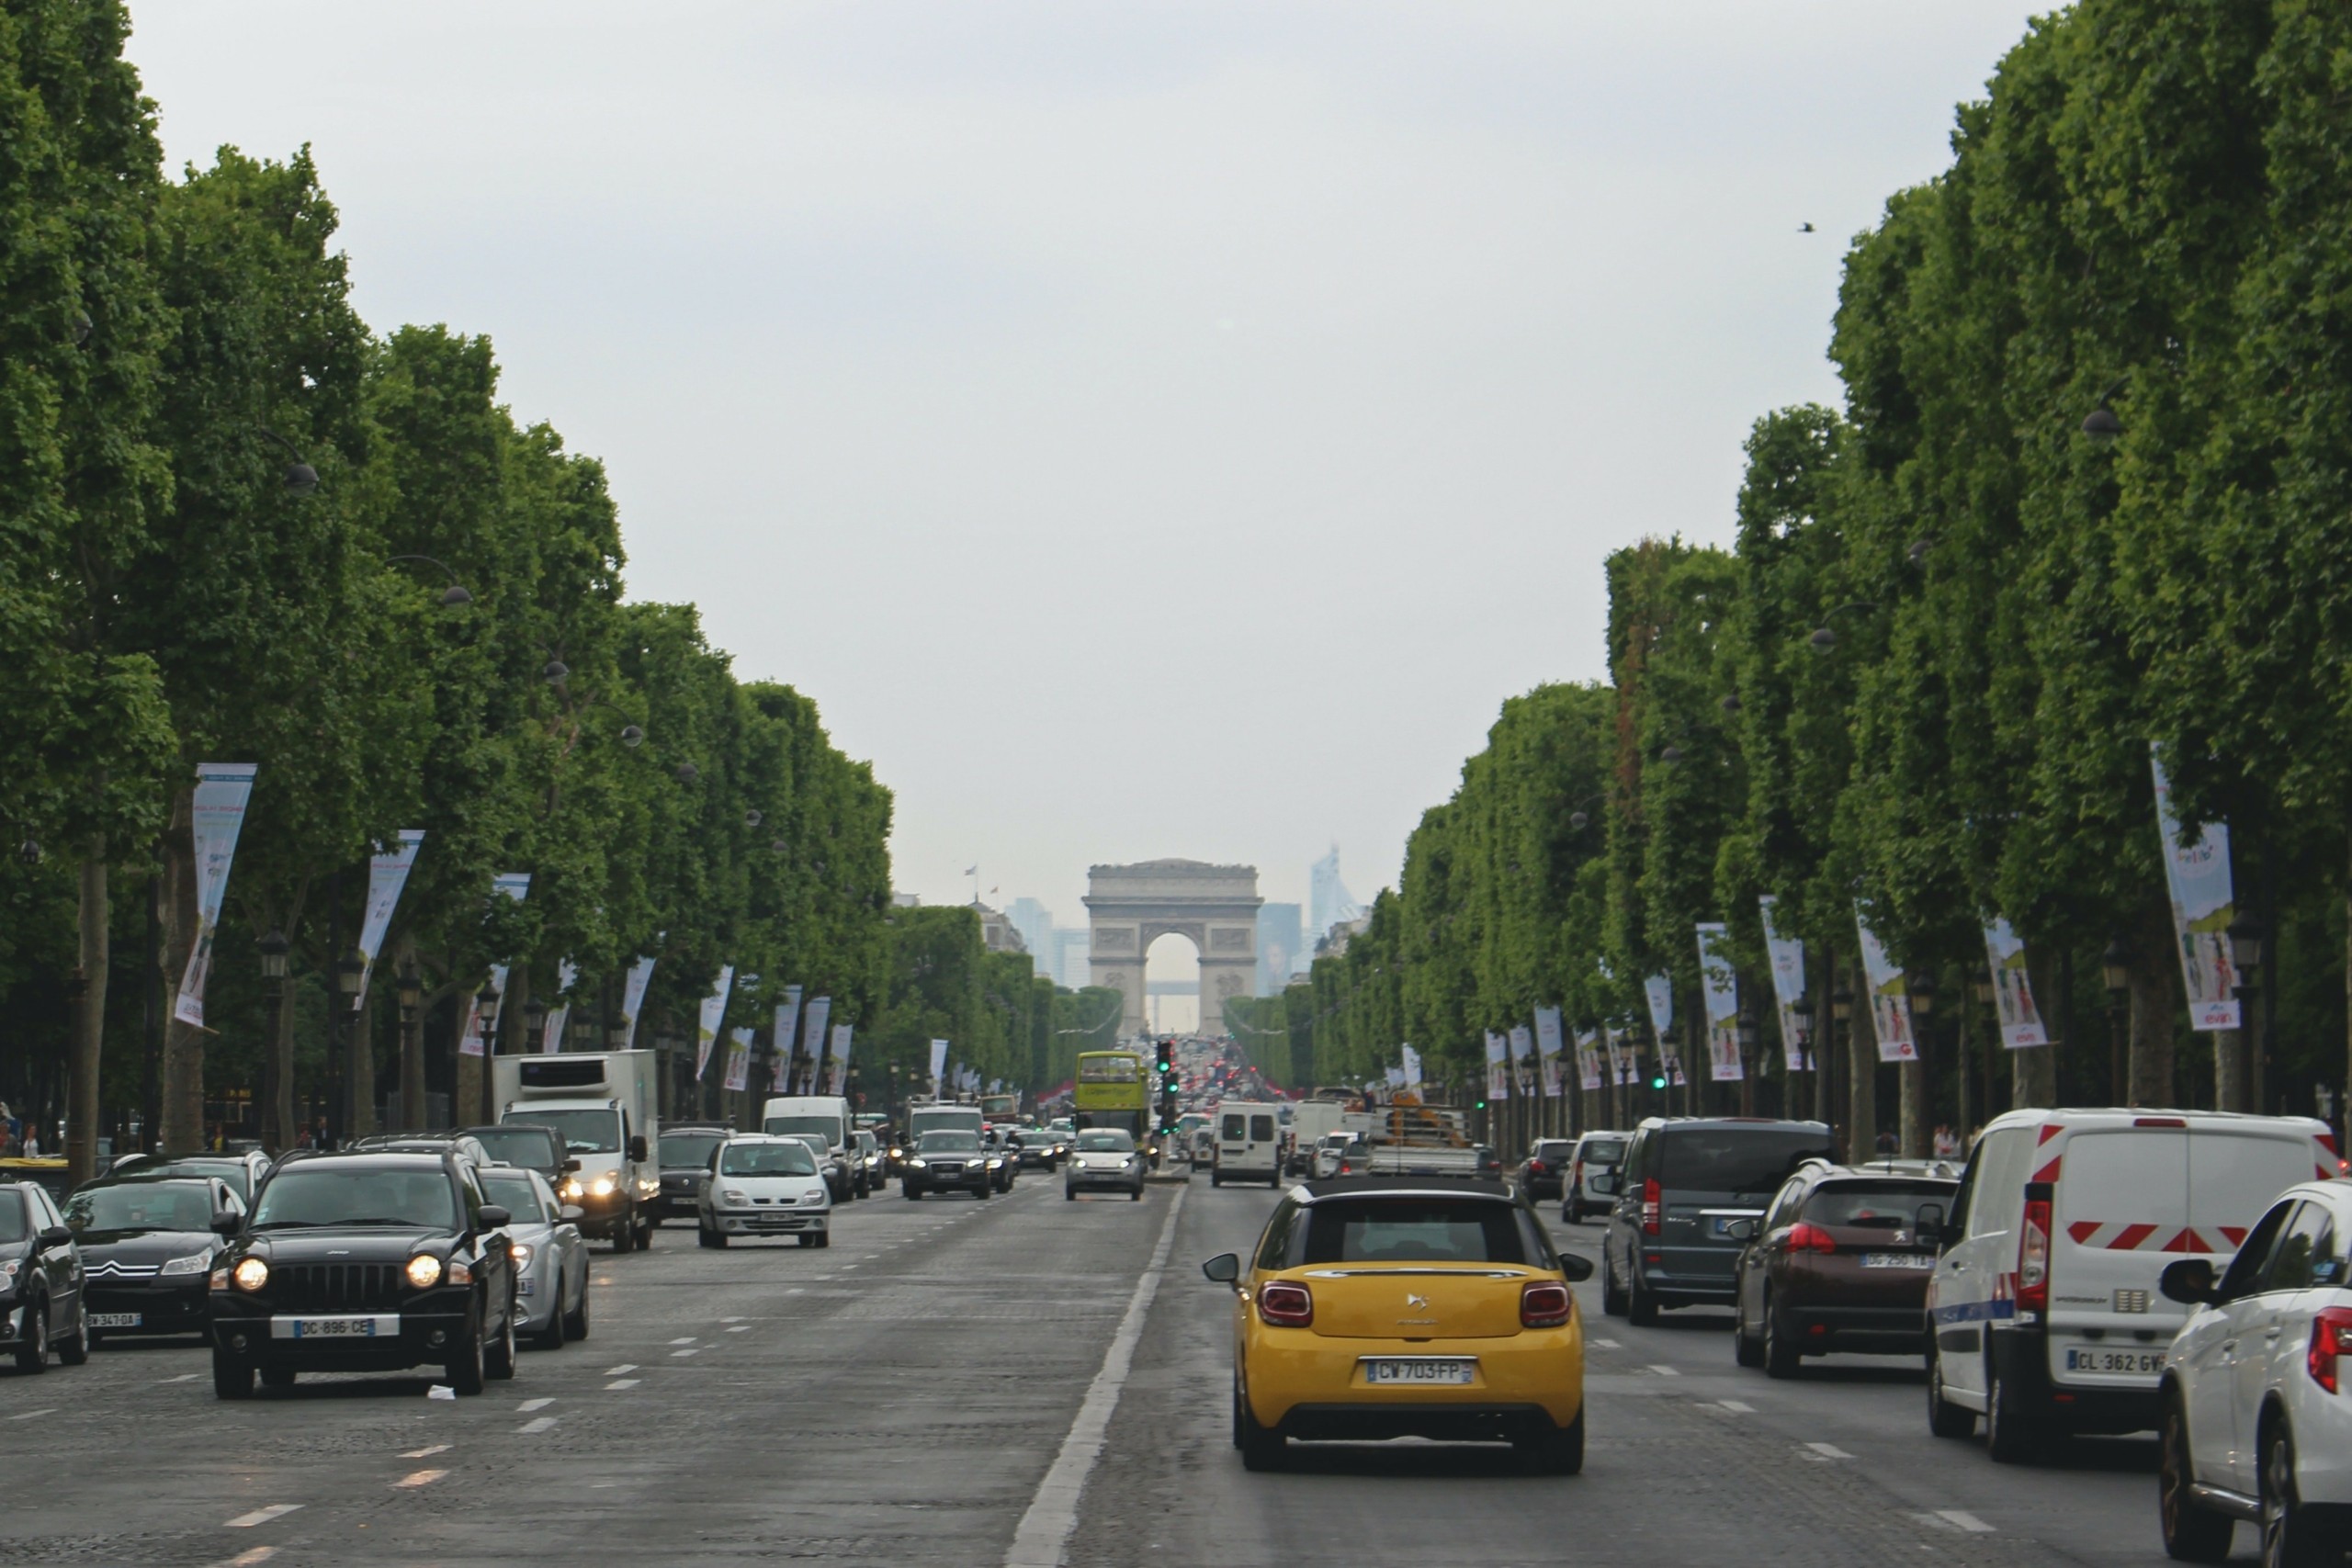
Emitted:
<point x="75" y="1349"/>
<point x="806" y="1238"/>
<point x="1071" y="1194"/>
<point x="575" y="1324"/>
<point x="1571" y="1215"/>
<point x="1781" y="1356"/>
<point x="624" y="1235"/>
<point x="277" y="1377"/>
<point x="498" y="1356"/>
<point x="984" y="1192"/>
<point x="557" y="1330"/>
<point x="1945" y="1419"/>
<point x="1557" y="1452"/>
<point x="2009" y="1437"/>
<point x="911" y="1193"/>
<point x="1746" y="1349"/>
<point x="232" y="1379"/>
<point x="1262" y="1447"/>
<point x="32" y="1351"/>
<point x="1216" y="1178"/>
<point x="465" y="1363"/>
<point x="1136" y="1195"/>
<point x="2192" y="1534"/>
<point x="824" y="1239"/>
<point x="2291" y="1538"/>
<point x="1641" y="1307"/>
<point x="716" y="1238"/>
<point x="1613" y="1294"/>
<point x="644" y="1238"/>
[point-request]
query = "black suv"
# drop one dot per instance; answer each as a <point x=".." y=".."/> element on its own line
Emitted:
<point x="686" y="1148"/>
<point x="1674" y="1206"/>
<point x="365" y="1262"/>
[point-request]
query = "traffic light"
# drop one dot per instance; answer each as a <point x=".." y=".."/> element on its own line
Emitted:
<point x="1164" y="1056"/>
<point x="1658" y="1080"/>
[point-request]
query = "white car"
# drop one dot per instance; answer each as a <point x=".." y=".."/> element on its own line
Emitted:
<point x="2257" y="1390"/>
<point x="550" y="1255"/>
<point x="1331" y="1150"/>
<point x="761" y="1185"/>
<point x="1105" y="1158"/>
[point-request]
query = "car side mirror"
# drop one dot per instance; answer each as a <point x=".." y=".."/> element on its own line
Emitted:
<point x="2190" y="1280"/>
<point x="571" y="1165"/>
<point x="1577" y="1269"/>
<point x="1739" y="1230"/>
<point x="1224" y="1268"/>
<point x="1603" y="1182"/>
<point x="492" y="1216"/>
<point x="58" y="1236"/>
<point x="637" y="1146"/>
<point x="223" y="1224"/>
<point x="570" y="1213"/>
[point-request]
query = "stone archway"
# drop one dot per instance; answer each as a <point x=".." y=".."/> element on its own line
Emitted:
<point x="1130" y="906"/>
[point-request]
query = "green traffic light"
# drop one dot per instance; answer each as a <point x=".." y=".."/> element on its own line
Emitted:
<point x="1657" y="1083"/>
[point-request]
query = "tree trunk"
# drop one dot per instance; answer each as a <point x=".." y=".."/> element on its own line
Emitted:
<point x="279" y="1127"/>
<point x="412" y="1092"/>
<point x="513" y="1009"/>
<point x="360" y="1070"/>
<point x="1861" y="1097"/>
<point x="1913" y="1087"/>
<point x="1825" y="1102"/>
<point x="89" y="1020"/>
<point x="2152" y="1021"/>
<point x="183" y="1095"/>
<point x="2229" y="1070"/>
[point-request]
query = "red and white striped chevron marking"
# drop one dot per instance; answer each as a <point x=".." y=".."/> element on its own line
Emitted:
<point x="2115" y="1235"/>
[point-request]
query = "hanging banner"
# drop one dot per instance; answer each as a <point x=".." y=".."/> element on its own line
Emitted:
<point x="1396" y="1079"/>
<point x="469" y="1038"/>
<point x="1890" y="1000"/>
<point x="1660" y="991"/>
<point x="1547" y="1050"/>
<point x="1522" y="1045"/>
<point x="838" y="1067"/>
<point x="812" y="1031"/>
<point x="387" y="875"/>
<point x="785" y="1038"/>
<point x="714" y="1013"/>
<point x="567" y="974"/>
<point x="1412" y="1068"/>
<point x="215" y="818"/>
<point x="633" y="984"/>
<point x="938" y="1064"/>
<point x="2197" y="875"/>
<point x="2012" y="988"/>
<point x="1786" y="955"/>
<point x="1589" y="1057"/>
<point x="739" y="1059"/>
<point x="1719" y="998"/>
<point x="1498" y="1066"/>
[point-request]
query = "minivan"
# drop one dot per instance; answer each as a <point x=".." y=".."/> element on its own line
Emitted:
<point x="2045" y="1301"/>
<point x="1248" y="1144"/>
<point x="1674" y="1201"/>
<point x="1595" y="1154"/>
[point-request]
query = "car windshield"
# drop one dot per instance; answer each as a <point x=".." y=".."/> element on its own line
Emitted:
<point x="1338" y="1140"/>
<point x="233" y="1171"/>
<point x="1554" y="1152"/>
<point x="1737" y="1159"/>
<point x="1415" y="1230"/>
<point x="1602" y="1151"/>
<point x="949" y="1144"/>
<point x="595" y="1132"/>
<point x="515" y="1192"/>
<point x="357" y="1195"/>
<point x="518" y="1146"/>
<point x="1106" y="1142"/>
<point x="14" y="1226"/>
<point x="141" y="1206"/>
<point x="680" y="1151"/>
<point x="768" y="1159"/>
<point x="1875" y="1205"/>
<point x="829" y="1127"/>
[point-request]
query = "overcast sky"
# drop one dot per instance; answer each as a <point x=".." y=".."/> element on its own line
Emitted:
<point x="1144" y="429"/>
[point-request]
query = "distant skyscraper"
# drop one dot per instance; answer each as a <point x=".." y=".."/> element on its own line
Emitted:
<point x="1328" y="901"/>
<point x="1070" y="969"/>
<point x="1036" y="924"/>
<point x="1280" y="948"/>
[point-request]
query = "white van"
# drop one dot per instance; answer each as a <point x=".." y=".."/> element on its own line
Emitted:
<point x="825" y="1115"/>
<point x="1248" y="1143"/>
<point x="2044" y="1304"/>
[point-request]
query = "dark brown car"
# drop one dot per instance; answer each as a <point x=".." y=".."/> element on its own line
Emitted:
<point x="1840" y="1261"/>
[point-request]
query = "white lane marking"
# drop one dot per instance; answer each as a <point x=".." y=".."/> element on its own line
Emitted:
<point x="190" y="1377"/>
<point x="1737" y="1408"/>
<point x="623" y="1383"/>
<point x="530" y="1404"/>
<point x="1665" y="1372"/>
<point x="427" y="1451"/>
<point x="536" y="1424"/>
<point x="741" y="1328"/>
<point x="624" y="1367"/>
<point x="261" y="1516"/>
<point x="1608" y="1345"/>
<point x="795" y="1290"/>
<point x="417" y="1478"/>
<point x="1053" y="1512"/>
<point x="247" y="1558"/>
<point x="694" y="1350"/>
<point x="1829" y="1451"/>
<point x="1965" y="1520"/>
<point x="688" y="1340"/>
<point x="730" y="1320"/>
<point x="30" y="1415"/>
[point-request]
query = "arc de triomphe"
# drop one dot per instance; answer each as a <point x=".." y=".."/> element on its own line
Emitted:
<point x="1130" y="906"/>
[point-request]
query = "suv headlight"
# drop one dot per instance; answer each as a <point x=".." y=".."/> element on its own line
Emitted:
<point x="424" y="1272"/>
<point x="194" y="1263"/>
<point x="520" y="1251"/>
<point x="250" y="1274"/>
<point x="570" y="1191"/>
<point x="602" y="1187"/>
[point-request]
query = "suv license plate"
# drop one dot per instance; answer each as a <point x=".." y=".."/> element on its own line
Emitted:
<point x="114" y="1319"/>
<point x="2147" y="1362"/>
<point x="1897" y="1260"/>
<point x="335" y="1328"/>
<point x="1445" y="1372"/>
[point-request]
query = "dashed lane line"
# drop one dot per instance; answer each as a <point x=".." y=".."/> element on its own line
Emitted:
<point x="261" y="1516"/>
<point x="530" y="1404"/>
<point x="427" y="1451"/>
<point x="690" y="1351"/>
<point x="1737" y="1408"/>
<point x="1965" y="1520"/>
<point x="688" y="1340"/>
<point x="1607" y="1345"/>
<point x="417" y="1478"/>
<point x="536" y="1424"/>
<point x="1827" y="1451"/>
<point x="30" y="1415"/>
<point x="248" y="1557"/>
<point x="624" y="1367"/>
<point x="184" y="1377"/>
<point x="1664" y="1371"/>
<point x="623" y="1382"/>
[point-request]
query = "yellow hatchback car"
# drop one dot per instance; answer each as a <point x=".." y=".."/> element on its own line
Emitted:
<point x="1404" y="1307"/>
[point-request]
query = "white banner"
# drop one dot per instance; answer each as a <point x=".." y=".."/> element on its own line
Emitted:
<point x="1547" y="1050"/>
<point x="387" y="875"/>
<point x="640" y="976"/>
<point x="1787" y="955"/>
<point x="739" y="1059"/>
<point x="812" y="1030"/>
<point x="567" y="974"/>
<point x="784" y="1037"/>
<point x="1660" y="989"/>
<point x="1589" y="1057"/>
<point x="469" y="1041"/>
<point x="938" y="1064"/>
<point x="1396" y="1079"/>
<point x="215" y="818"/>
<point x="1522" y="1042"/>
<point x="1719" y="998"/>
<point x="837" y="1069"/>
<point x="1498" y="1066"/>
<point x="1412" y="1068"/>
<point x="2197" y="876"/>
<point x="714" y="1013"/>
<point x="2012" y="989"/>
<point x="1890" y="1000"/>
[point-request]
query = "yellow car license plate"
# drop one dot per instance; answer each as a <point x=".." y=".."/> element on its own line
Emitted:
<point x="1442" y="1371"/>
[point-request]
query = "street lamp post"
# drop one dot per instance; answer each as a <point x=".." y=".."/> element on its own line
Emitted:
<point x="1842" y="1012"/>
<point x="1914" y="1072"/>
<point x="486" y="1002"/>
<point x="2115" y="968"/>
<point x="2245" y="946"/>
<point x="278" y="1130"/>
<point x="1745" y="1031"/>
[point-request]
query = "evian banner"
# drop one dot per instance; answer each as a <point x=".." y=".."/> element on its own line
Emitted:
<point x="938" y="1062"/>
<point x="640" y="976"/>
<point x="216" y="815"/>
<point x="1890" y="1001"/>
<point x="1719" y="993"/>
<point x="738" y="1058"/>
<point x="812" y="1030"/>
<point x="2197" y="875"/>
<point x="837" y="1068"/>
<point x="785" y="1036"/>
<point x="714" y="1013"/>
<point x="2012" y="990"/>
<point x="559" y="1018"/>
<point x="514" y="884"/>
<point x="387" y="875"/>
<point x="1589" y="1057"/>
<point x="1548" y="1049"/>
<point x="1786" y="955"/>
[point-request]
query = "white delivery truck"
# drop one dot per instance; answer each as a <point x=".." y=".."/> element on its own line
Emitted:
<point x="604" y="1107"/>
<point x="828" y="1116"/>
<point x="1248" y="1143"/>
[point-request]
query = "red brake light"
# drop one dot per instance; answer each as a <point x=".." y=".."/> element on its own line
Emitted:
<point x="1534" y="1168"/>
<point x="1652" y="1207"/>
<point x="2330" y="1338"/>
<point x="2033" y="1257"/>
<point x="1803" y="1237"/>
<point x="1544" y="1304"/>
<point x="1285" y="1306"/>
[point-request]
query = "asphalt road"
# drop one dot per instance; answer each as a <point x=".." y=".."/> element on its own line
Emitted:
<point x="944" y="1385"/>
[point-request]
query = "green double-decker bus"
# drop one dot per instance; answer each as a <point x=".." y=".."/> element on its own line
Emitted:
<point x="1112" y="1091"/>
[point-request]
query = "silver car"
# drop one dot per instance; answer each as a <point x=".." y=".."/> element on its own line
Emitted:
<point x="550" y="1255"/>
<point x="1105" y="1160"/>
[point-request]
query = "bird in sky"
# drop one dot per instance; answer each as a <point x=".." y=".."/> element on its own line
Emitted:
<point x="1804" y="228"/>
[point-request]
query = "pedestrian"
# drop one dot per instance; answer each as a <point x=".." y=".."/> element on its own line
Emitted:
<point x="302" y="1138"/>
<point x="1947" y="1140"/>
<point x="31" y="1146"/>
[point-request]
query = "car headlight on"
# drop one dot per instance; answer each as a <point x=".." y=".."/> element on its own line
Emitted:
<point x="600" y="1188"/>
<point x="898" y="1154"/>
<point x="424" y="1272"/>
<point x="194" y="1263"/>
<point x="731" y="1196"/>
<point x="250" y="1274"/>
<point x="918" y="1163"/>
<point x="520" y="1251"/>
<point x="570" y="1191"/>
